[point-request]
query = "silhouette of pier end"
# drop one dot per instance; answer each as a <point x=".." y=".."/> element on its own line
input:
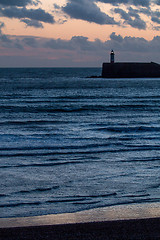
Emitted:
<point x="130" y="70"/>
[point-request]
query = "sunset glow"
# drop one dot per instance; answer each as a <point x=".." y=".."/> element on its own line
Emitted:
<point x="75" y="31"/>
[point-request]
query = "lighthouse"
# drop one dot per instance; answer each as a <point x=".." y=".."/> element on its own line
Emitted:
<point x="112" y="57"/>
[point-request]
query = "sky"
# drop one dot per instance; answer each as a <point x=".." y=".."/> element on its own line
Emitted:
<point x="78" y="33"/>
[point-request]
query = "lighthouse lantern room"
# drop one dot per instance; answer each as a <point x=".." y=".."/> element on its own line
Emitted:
<point x="112" y="57"/>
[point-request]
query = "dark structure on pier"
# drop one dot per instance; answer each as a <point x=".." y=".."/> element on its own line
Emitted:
<point x="130" y="69"/>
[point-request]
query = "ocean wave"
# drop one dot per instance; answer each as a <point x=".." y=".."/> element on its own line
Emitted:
<point x="80" y="108"/>
<point x="128" y="129"/>
<point x="70" y="199"/>
<point x="144" y="159"/>
<point x="65" y="200"/>
<point x="154" y="186"/>
<point x="33" y="122"/>
<point x="9" y="205"/>
<point x="102" y="195"/>
<point x="76" y="151"/>
<point x="48" y="148"/>
<point x="37" y="190"/>
<point x="90" y="202"/>
<point x="3" y="195"/>
<point x="145" y="200"/>
<point x="66" y="149"/>
<point x="85" y="201"/>
<point x="51" y="164"/>
<point x="136" y="195"/>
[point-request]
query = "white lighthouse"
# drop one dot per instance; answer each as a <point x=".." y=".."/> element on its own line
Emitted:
<point x="112" y="57"/>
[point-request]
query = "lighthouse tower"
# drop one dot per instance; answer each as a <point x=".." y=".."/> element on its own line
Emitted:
<point x="112" y="57"/>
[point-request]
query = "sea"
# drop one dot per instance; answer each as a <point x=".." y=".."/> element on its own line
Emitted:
<point x="70" y="143"/>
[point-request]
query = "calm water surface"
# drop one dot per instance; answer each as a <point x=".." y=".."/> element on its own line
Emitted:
<point x="70" y="143"/>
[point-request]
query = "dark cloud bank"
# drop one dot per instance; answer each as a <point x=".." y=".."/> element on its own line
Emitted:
<point x="119" y="43"/>
<point x="79" y="51"/>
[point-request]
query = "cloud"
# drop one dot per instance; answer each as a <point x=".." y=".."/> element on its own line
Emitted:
<point x="156" y="20"/>
<point x="131" y="18"/>
<point x="3" y="38"/>
<point x="117" y="42"/>
<point x="84" y="45"/>
<point x="144" y="3"/>
<point x="145" y="11"/>
<point x="87" y="10"/>
<point x="78" y="51"/>
<point x="129" y="44"/>
<point x="1" y="25"/>
<point x="58" y="44"/>
<point x="19" y="3"/>
<point x="158" y="2"/>
<point x="56" y="6"/>
<point x="115" y="37"/>
<point x="30" y="41"/>
<point x="76" y="43"/>
<point x="32" y="23"/>
<point x="155" y="17"/>
<point x="31" y="17"/>
<point x="22" y="13"/>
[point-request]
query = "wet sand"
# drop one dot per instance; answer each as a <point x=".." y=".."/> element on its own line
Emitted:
<point x="141" y="221"/>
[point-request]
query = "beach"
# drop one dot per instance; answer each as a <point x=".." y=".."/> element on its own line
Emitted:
<point x="139" y="221"/>
<point x="129" y="229"/>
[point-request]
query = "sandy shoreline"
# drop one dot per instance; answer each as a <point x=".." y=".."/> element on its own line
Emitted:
<point x="137" y="221"/>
